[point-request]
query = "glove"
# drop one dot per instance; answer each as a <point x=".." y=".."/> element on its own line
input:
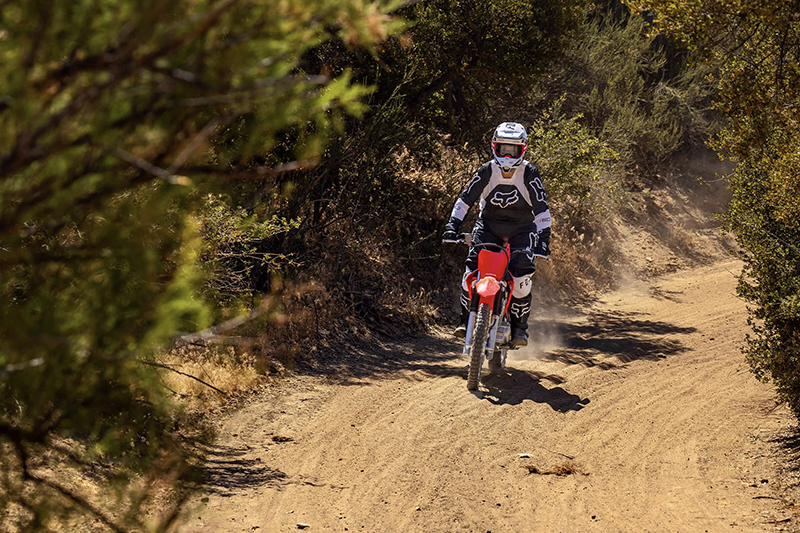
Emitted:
<point x="451" y="230"/>
<point x="542" y="248"/>
<point x="449" y="234"/>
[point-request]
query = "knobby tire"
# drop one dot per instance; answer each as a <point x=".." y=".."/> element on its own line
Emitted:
<point x="480" y="334"/>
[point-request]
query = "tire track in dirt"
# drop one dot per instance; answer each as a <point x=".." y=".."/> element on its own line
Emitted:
<point x="637" y="414"/>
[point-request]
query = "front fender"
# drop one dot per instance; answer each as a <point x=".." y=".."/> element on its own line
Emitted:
<point x="487" y="288"/>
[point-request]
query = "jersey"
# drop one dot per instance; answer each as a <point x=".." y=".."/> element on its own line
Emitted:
<point x="508" y="206"/>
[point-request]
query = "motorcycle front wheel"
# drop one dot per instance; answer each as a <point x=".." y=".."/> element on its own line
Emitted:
<point x="479" y="336"/>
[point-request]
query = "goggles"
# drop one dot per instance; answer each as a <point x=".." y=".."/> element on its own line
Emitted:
<point x="508" y="150"/>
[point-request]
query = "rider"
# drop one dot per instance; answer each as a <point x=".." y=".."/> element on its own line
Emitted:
<point x="513" y="209"/>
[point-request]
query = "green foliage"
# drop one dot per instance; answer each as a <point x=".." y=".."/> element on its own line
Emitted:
<point x="756" y="44"/>
<point x="457" y="57"/>
<point x="115" y="120"/>
<point x="572" y="158"/>
<point x="236" y="252"/>
<point x="770" y="283"/>
<point x="616" y="80"/>
<point x="483" y="47"/>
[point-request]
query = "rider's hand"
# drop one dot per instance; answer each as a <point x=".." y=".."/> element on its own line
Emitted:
<point x="451" y="230"/>
<point x="449" y="234"/>
<point x="542" y="248"/>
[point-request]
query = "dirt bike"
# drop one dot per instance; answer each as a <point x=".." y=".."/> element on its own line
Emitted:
<point x="488" y="328"/>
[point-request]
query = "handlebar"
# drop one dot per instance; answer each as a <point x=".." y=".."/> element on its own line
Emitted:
<point x="466" y="238"/>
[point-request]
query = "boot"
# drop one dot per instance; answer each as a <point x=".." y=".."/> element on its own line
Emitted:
<point x="519" y="311"/>
<point x="461" y="330"/>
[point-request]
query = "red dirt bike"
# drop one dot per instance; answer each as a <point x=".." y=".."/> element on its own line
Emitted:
<point x="488" y="329"/>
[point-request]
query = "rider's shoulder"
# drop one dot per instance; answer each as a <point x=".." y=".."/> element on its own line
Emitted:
<point x="531" y="170"/>
<point x="530" y="167"/>
<point x="486" y="169"/>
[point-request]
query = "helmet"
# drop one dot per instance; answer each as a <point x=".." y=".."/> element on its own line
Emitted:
<point x="509" y="143"/>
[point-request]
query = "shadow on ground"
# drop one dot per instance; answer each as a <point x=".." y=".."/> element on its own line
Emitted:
<point x="789" y="442"/>
<point x="604" y="340"/>
<point x="608" y="339"/>
<point x="226" y="471"/>
<point x="417" y="357"/>
<point x="513" y="387"/>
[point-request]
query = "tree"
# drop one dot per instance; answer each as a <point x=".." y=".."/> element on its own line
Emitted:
<point x="757" y="45"/>
<point x="471" y="51"/>
<point x="115" y="117"/>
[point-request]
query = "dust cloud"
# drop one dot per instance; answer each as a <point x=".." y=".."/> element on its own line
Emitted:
<point x="544" y="337"/>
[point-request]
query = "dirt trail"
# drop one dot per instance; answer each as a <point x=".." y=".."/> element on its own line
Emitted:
<point x="638" y="414"/>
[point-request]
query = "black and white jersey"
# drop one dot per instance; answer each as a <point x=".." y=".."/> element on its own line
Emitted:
<point x="506" y="204"/>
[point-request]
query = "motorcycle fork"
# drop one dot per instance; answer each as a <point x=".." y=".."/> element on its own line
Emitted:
<point x="470" y="325"/>
<point x="499" y="305"/>
<point x="473" y="313"/>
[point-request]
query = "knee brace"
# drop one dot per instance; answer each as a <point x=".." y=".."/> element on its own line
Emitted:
<point x="522" y="286"/>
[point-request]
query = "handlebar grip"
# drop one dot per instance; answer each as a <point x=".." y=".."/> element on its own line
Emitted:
<point x="464" y="238"/>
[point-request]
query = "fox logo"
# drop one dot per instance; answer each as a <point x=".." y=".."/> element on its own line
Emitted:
<point x="505" y="199"/>
<point x="519" y="310"/>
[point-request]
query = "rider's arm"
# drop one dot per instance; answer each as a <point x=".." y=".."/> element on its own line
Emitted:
<point x="541" y="211"/>
<point x="470" y="194"/>
<point x="466" y="200"/>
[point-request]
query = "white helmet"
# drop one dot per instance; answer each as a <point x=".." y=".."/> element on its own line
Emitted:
<point x="509" y="144"/>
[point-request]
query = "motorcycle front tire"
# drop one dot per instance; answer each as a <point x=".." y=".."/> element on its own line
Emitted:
<point x="479" y="337"/>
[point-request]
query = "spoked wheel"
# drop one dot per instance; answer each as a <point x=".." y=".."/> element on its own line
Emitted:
<point x="479" y="337"/>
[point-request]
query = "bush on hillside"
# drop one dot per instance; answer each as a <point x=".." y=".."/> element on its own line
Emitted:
<point x="769" y="283"/>
<point x="372" y="212"/>
<point x="627" y="96"/>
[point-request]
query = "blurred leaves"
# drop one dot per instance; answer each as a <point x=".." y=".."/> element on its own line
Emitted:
<point x="116" y="119"/>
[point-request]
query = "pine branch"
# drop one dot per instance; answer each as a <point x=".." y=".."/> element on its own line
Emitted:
<point x="8" y="369"/>
<point x="146" y="166"/>
<point x="255" y="173"/>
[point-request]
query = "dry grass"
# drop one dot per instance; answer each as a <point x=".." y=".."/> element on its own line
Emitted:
<point x="57" y="470"/>
<point x="222" y="369"/>
<point x="230" y="371"/>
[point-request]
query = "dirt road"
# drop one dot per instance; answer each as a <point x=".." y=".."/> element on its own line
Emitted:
<point x="637" y="414"/>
